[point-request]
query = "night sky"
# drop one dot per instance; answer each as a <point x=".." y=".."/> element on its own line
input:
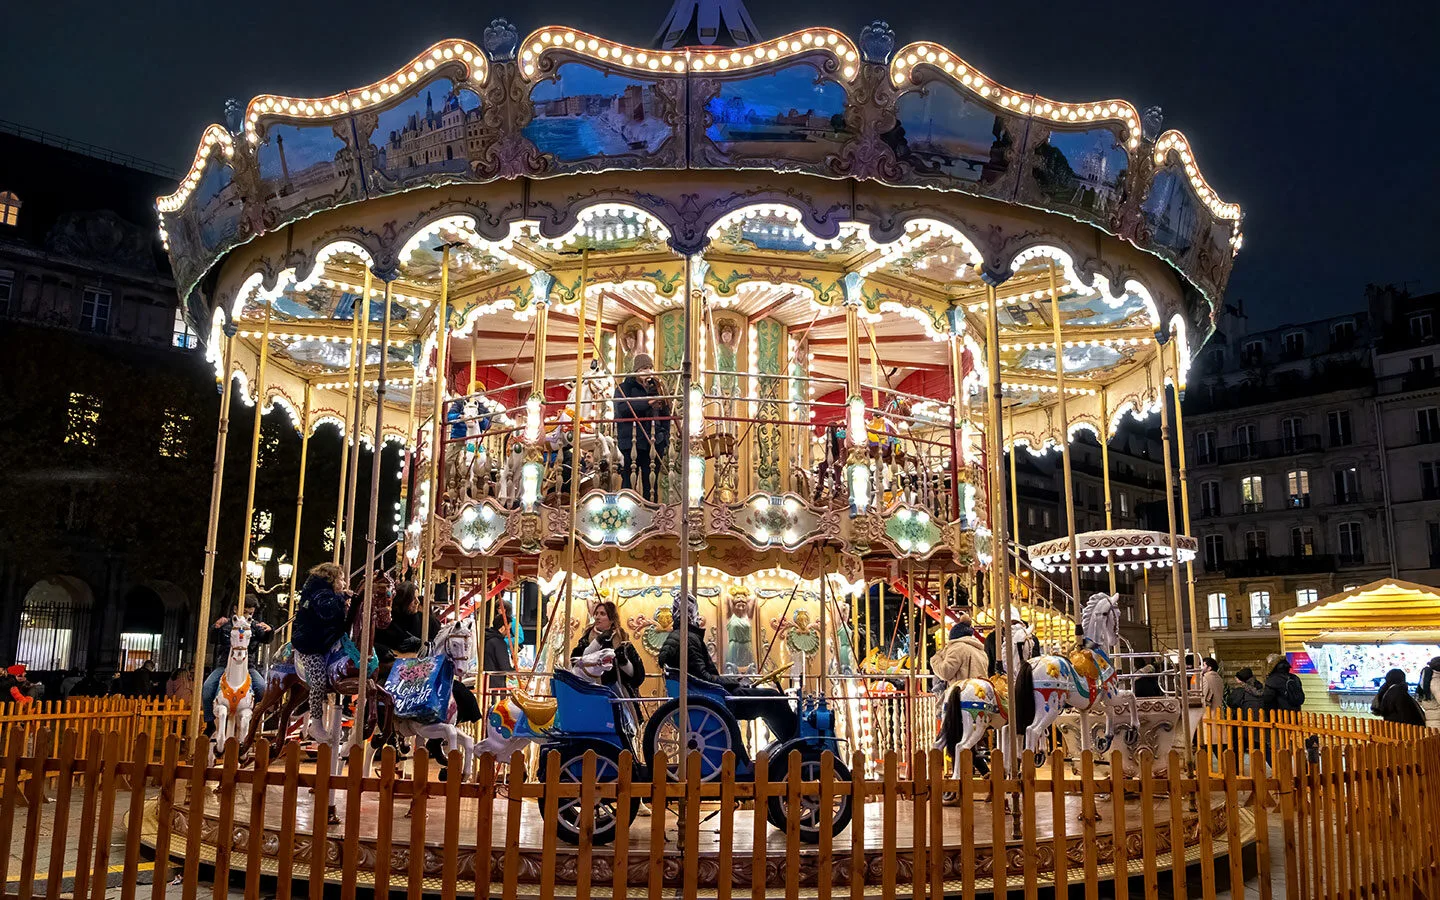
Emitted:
<point x="1318" y="118"/>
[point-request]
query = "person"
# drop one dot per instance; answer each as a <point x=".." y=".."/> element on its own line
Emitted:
<point x="1393" y="702"/>
<point x="180" y="685"/>
<point x="606" y="633"/>
<point x="140" y="681"/>
<point x="1247" y="692"/>
<point x="637" y="427"/>
<point x="1147" y="682"/>
<point x="496" y="654"/>
<point x="67" y="684"/>
<point x="402" y="635"/>
<point x="16" y="687"/>
<point x="962" y="657"/>
<point x="322" y="617"/>
<point x="746" y="701"/>
<point x="260" y="634"/>
<point x="1282" y="690"/>
<point x="89" y="685"/>
<point x="1212" y="685"/>
<point x="1426" y="693"/>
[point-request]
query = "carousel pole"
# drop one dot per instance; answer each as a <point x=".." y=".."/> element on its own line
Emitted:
<point x="300" y="495"/>
<point x="1174" y="554"/>
<point x="999" y="563"/>
<point x="367" y="608"/>
<point x="362" y="356"/>
<point x="1105" y="476"/>
<point x="1064" y="443"/>
<point x="1184" y="494"/>
<point x="437" y="437"/>
<point x="347" y="437"/>
<point x="686" y="375"/>
<point x="957" y="416"/>
<point x="202" y="618"/>
<point x="259" y="387"/>
<point x="1014" y="487"/>
<point x="409" y="461"/>
<point x="576" y="422"/>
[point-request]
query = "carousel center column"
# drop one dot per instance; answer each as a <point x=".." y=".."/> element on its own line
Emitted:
<point x="532" y="470"/>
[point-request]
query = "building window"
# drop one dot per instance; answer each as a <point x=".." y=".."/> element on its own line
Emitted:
<point x="1219" y="612"/>
<point x="1259" y="609"/>
<point x="1252" y="353"/>
<point x="1209" y="498"/>
<point x="1424" y="363"/>
<point x="182" y="335"/>
<point x="1030" y="516"/>
<point x="1290" y="431"/>
<point x="1342" y="333"/>
<point x="1421" y="327"/>
<point x="95" y="311"/>
<point x="1124" y="504"/>
<point x="1352" y="545"/>
<point x="1432" y="532"/>
<point x="175" y="434"/>
<point x="1302" y="541"/>
<point x="1427" y="424"/>
<point x="9" y="209"/>
<point x="1256" y="545"/>
<point x="1252" y="494"/>
<point x="1347" y="485"/>
<point x="1045" y="519"/>
<point x="1430" y="480"/>
<point x="1214" y="552"/>
<point x="1245" y="441"/>
<point x="82" y="419"/>
<point x="1294" y="345"/>
<point x="1205" y="447"/>
<point x="1298" y="482"/>
<point x="1340" y="433"/>
<point x="1306" y="596"/>
<point x="7" y="290"/>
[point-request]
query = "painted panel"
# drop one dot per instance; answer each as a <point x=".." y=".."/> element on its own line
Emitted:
<point x="306" y="168"/>
<point x="792" y="115"/>
<point x="1082" y="171"/>
<point x="941" y="132"/>
<point x="428" y="138"/>
<point x="584" y="113"/>
<point x="769" y="343"/>
<point x="1173" y="212"/>
<point x="218" y="207"/>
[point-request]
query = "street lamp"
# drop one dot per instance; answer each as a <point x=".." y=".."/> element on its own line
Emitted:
<point x="257" y="573"/>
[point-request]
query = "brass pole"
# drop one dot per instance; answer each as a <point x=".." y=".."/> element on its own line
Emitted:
<point x="361" y="358"/>
<point x="1105" y="474"/>
<point x="576" y="422"/>
<point x="259" y="388"/>
<point x="1184" y="492"/>
<point x="437" y="440"/>
<point x="1065" y="443"/>
<point x="408" y="463"/>
<point x="347" y="436"/>
<point x="1174" y="573"/>
<point x="999" y="563"/>
<point x="207" y="581"/>
<point x="687" y="364"/>
<point x="367" y="598"/>
<point x="1014" y="487"/>
<point x="537" y="389"/>
<point x="300" y="496"/>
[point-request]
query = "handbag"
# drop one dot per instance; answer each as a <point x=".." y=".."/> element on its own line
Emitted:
<point x="421" y="688"/>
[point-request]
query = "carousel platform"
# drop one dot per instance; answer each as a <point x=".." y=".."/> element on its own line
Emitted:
<point x="956" y="833"/>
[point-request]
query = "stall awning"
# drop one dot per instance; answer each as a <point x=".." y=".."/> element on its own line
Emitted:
<point x="1388" y="610"/>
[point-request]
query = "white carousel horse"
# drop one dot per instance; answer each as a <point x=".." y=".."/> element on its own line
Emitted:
<point x="455" y="641"/>
<point x="1086" y="681"/>
<point x="601" y="447"/>
<point x="236" y="697"/>
<point x="517" y="719"/>
<point x="969" y="709"/>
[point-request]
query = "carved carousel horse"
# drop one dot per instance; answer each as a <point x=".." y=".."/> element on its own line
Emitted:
<point x="1085" y="681"/>
<point x="415" y="686"/>
<point x="236" y="699"/>
<point x="969" y="709"/>
<point x="595" y="454"/>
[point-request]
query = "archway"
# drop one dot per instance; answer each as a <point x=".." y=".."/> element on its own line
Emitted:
<point x="55" y="624"/>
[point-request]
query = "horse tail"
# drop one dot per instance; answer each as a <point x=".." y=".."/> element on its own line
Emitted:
<point x="1023" y="702"/>
<point x="951" y="729"/>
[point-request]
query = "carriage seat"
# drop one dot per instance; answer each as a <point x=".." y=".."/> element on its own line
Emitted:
<point x="710" y="690"/>
<point x="576" y="683"/>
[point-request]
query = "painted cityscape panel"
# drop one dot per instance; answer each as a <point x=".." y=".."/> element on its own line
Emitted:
<point x="585" y="113"/>
<point x="425" y="138"/>
<point x="300" y="165"/>
<point x="218" y="206"/>
<point x="943" y="132"/>
<point x="1172" y="211"/>
<point x="794" y="113"/>
<point x="1084" y="170"/>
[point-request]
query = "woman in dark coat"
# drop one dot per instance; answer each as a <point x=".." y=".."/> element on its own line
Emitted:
<point x="1394" y="704"/>
<point x="606" y="633"/>
<point x="402" y="635"/>
<point x="323" y="616"/>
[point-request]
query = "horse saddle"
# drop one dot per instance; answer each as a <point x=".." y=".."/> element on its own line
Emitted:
<point x="1085" y="665"/>
<point x="539" y="710"/>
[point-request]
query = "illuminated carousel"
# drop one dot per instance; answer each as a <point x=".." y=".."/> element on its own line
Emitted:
<point x="751" y="325"/>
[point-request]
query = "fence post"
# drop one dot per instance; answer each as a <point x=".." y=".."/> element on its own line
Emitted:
<point x="9" y="791"/>
<point x="858" y="867"/>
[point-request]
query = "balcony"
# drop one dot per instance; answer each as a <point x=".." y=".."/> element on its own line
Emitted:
<point x="1207" y="512"/>
<point x="1277" y="565"/>
<point x="1427" y="435"/>
<point x="1345" y="498"/>
<point x="1350" y="559"/>
<point x="1252" y="507"/>
<point x="1298" y="501"/>
<point x="1430" y="492"/>
<point x="1271" y="449"/>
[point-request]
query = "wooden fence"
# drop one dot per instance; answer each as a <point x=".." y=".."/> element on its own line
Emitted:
<point x="129" y="717"/>
<point x="1356" y="812"/>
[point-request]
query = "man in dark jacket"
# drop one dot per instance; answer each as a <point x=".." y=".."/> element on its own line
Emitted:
<point x="1248" y="692"/>
<point x="1282" y="690"/>
<point x="636" y="427"/>
<point x="1394" y="704"/>
<point x="260" y="633"/>
<point x="496" y="654"/>
<point x="747" y="701"/>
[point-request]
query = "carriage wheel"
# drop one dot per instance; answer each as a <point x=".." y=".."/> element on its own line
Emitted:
<point x="567" y="811"/>
<point x="813" y="817"/>
<point x="713" y="731"/>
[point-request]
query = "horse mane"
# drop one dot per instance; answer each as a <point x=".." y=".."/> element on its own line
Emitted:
<point x="1094" y="617"/>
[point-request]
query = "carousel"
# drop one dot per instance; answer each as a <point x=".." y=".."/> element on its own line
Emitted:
<point x="717" y="349"/>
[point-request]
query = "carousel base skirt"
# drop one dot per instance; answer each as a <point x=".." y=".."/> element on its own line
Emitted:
<point x="529" y="854"/>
